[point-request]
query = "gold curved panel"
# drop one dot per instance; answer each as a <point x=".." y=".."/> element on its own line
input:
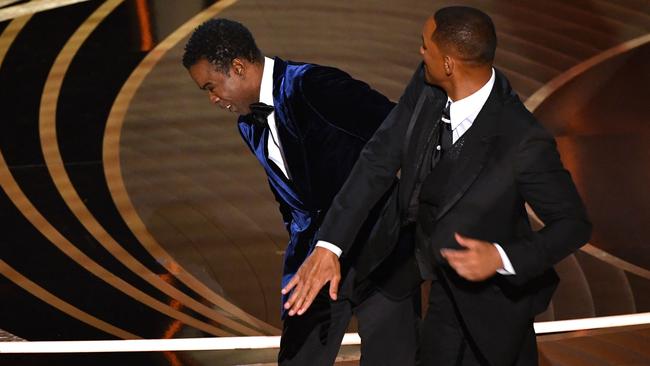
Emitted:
<point x="6" y="39"/>
<point x="55" y="165"/>
<point x="535" y="100"/>
<point x="4" y="3"/>
<point x="56" y="302"/>
<point x="33" y="7"/>
<point x="549" y="88"/>
<point x="113" y="171"/>
<point x="31" y="213"/>
<point x="598" y="253"/>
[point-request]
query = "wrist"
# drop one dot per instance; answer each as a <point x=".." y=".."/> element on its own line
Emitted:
<point x="329" y="246"/>
<point x="496" y="258"/>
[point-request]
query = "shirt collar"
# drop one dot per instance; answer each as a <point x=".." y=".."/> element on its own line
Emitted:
<point x="469" y="107"/>
<point x="266" y="88"/>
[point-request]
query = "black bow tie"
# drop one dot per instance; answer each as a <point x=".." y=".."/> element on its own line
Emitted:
<point x="260" y="112"/>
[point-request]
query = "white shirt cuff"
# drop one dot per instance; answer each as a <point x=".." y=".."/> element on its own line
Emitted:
<point x="329" y="246"/>
<point x="507" y="269"/>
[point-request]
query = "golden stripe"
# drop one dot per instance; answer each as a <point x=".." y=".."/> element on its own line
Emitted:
<point x="54" y="163"/>
<point x="7" y="2"/>
<point x="559" y="81"/>
<point x="599" y="253"/>
<point x="34" y="7"/>
<point x="22" y="203"/>
<point x="6" y="39"/>
<point x="615" y="261"/>
<point x="113" y="169"/>
<point x="543" y="93"/>
<point x="9" y="35"/>
<point x="54" y="301"/>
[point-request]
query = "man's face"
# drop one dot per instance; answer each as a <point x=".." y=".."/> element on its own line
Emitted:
<point x="227" y="91"/>
<point x="431" y="55"/>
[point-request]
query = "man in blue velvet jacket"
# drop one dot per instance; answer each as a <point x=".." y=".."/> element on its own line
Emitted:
<point x="306" y="124"/>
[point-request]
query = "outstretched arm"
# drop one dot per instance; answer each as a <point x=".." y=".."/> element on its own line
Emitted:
<point x="369" y="179"/>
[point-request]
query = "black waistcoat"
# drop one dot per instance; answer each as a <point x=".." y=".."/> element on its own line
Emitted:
<point x="430" y="196"/>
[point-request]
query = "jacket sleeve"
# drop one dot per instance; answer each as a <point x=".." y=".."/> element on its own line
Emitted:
<point x="343" y="102"/>
<point x="548" y="188"/>
<point x="373" y="173"/>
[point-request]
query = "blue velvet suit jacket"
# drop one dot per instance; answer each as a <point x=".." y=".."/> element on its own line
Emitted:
<point x="324" y="118"/>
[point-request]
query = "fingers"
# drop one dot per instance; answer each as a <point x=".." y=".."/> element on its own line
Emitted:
<point x="461" y="257"/>
<point x="466" y="242"/>
<point x="303" y="296"/>
<point x="455" y="258"/>
<point x="295" y="296"/>
<point x="305" y="289"/>
<point x="294" y="281"/>
<point x="300" y="291"/>
<point x="320" y="267"/>
<point x="460" y="263"/>
<point x="309" y="299"/>
<point x="299" y="298"/>
<point x="465" y="260"/>
<point x="455" y="255"/>
<point x="308" y="293"/>
<point x="334" y="287"/>
<point x="472" y="264"/>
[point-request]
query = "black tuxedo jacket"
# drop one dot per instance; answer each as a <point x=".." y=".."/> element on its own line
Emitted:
<point x="507" y="159"/>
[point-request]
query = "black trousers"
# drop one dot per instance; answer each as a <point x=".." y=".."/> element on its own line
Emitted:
<point x="445" y="341"/>
<point x="388" y="331"/>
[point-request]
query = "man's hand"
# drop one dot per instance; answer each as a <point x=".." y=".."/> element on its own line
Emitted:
<point x="320" y="267"/>
<point x="477" y="262"/>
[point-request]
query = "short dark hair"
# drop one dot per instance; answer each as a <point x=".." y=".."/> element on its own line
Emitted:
<point x="220" y="41"/>
<point x="469" y="31"/>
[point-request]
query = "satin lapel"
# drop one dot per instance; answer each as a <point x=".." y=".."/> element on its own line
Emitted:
<point x="428" y="118"/>
<point x="477" y="149"/>
<point x="250" y="132"/>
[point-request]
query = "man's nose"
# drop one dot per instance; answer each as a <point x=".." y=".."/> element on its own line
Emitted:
<point x="213" y="98"/>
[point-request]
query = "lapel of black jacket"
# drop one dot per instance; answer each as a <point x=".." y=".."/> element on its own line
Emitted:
<point x="427" y="118"/>
<point x="291" y="141"/>
<point x="479" y="142"/>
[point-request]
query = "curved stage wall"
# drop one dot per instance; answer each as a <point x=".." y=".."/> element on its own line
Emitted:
<point x="130" y="207"/>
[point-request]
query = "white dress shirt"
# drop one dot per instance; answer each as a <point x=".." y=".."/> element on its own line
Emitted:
<point x="273" y="145"/>
<point x="462" y="114"/>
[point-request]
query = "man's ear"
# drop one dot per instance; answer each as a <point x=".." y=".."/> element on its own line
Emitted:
<point x="448" y="64"/>
<point x="238" y="67"/>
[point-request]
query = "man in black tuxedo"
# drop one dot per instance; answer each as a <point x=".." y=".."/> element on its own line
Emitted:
<point x="473" y="156"/>
<point x="306" y="124"/>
